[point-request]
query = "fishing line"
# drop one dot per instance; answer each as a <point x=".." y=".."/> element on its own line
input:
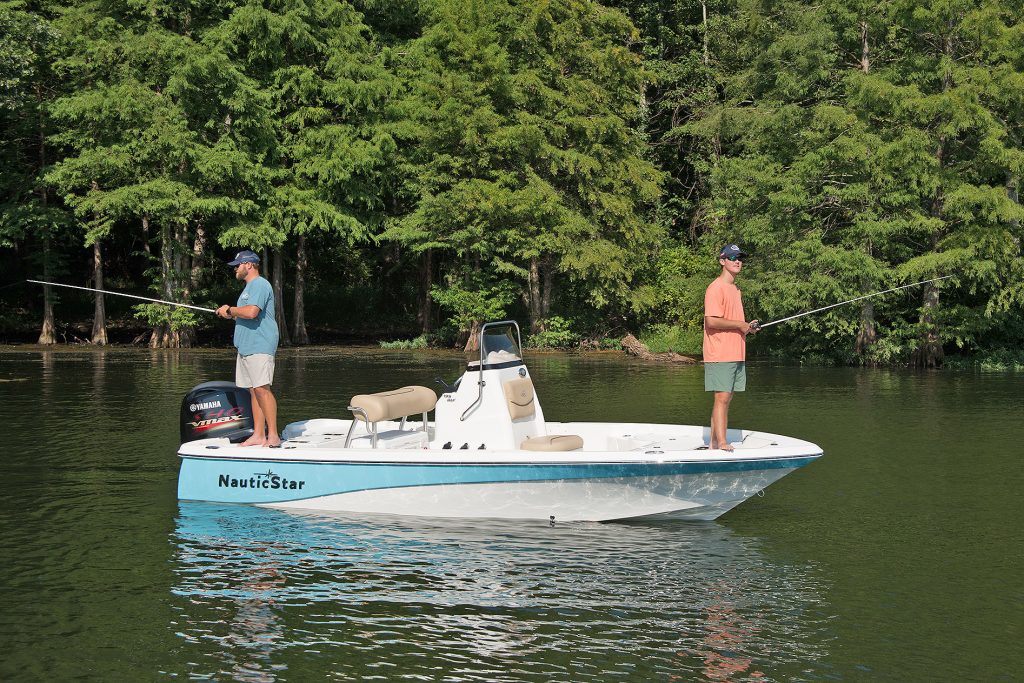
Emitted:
<point x="761" y="326"/>
<point x="130" y="296"/>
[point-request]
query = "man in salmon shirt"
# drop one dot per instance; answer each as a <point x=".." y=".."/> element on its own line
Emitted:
<point x="725" y="342"/>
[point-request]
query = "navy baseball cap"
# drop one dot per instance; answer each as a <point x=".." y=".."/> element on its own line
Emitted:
<point x="245" y="256"/>
<point x="731" y="250"/>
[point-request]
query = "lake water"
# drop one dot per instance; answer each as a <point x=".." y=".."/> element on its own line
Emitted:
<point x="895" y="557"/>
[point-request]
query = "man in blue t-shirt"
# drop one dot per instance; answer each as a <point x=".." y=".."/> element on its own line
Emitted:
<point x="256" y="340"/>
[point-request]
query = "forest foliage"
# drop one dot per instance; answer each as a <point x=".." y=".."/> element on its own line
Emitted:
<point x="411" y="168"/>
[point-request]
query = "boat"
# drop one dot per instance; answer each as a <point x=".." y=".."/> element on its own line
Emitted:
<point x="488" y="452"/>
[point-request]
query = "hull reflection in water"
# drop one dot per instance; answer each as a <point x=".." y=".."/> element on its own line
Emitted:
<point x="267" y="594"/>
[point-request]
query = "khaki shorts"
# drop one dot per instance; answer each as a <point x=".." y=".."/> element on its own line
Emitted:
<point x="254" y="370"/>
<point x="727" y="376"/>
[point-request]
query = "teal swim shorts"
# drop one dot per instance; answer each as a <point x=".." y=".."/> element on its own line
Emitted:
<point x="727" y="376"/>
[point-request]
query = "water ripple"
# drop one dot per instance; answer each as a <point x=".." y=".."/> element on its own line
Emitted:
<point x="890" y="559"/>
<point x="488" y="601"/>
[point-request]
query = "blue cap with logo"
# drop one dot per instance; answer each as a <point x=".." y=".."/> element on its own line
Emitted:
<point x="245" y="256"/>
<point x="731" y="250"/>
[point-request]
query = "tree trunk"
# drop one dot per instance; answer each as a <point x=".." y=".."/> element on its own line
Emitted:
<point x="99" y="316"/>
<point x="424" y="316"/>
<point x="929" y="353"/>
<point x="198" y="260"/>
<point x="299" y="333"/>
<point x="633" y="346"/>
<point x="48" y="332"/>
<point x="867" y="335"/>
<point x="473" y="338"/>
<point x="865" y="48"/>
<point x="145" y="242"/>
<point x="282" y="321"/>
<point x="704" y="15"/>
<point x="163" y="336"/>
<point x="534" y="298"/>
<point x="182" y="275"/>
<point x="547" y="272"/>
<point x="473" y="341"/>
<point x="146" y="247"/>
<point x="178" y="256"/>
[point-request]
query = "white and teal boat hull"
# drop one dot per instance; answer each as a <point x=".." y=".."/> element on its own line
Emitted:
<point x="488" y="452"/>
<point x="579" y="485"/>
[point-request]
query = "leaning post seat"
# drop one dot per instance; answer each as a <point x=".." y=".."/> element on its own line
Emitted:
<point x="390" y="405"/>
<point x="519" y="397"/>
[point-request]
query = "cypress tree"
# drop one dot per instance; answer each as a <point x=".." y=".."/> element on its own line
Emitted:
<point x="527" y="168"/>
<point x="328" y="147"/>
<point x="29" y="218"/>
<point x="153" y="141"/>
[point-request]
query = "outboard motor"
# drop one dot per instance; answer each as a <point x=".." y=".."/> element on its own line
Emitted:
<point x="216" y="410"/>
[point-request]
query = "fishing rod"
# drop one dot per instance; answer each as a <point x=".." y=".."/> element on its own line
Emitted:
<point x="130" y="296"/>
<point x="843" y="303"/>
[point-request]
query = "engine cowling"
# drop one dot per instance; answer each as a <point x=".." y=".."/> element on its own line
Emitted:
<point x="214" y="410"/>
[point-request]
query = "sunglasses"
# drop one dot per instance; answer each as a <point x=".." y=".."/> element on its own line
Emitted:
<point x="734" y="257"/>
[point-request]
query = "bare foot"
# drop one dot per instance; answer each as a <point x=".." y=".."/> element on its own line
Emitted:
<point x="727" y="448"/>
<point x="273" y="442"/>
<point x="253" y="441"/>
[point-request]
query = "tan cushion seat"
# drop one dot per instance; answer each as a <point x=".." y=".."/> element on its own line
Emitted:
<point x="553" y="442"/>
<point x="519" y="396"/>
<point x="391" y="405"/>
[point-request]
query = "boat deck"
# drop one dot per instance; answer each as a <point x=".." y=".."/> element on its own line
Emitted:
<point x="324" y="439"/>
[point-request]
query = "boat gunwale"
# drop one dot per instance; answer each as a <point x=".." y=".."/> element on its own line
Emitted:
<point x="788" y="448"/>
<point x="674" y="458"/>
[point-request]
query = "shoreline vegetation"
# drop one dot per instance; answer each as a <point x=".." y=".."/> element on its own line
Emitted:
<point x="656" y="348"/>
<point x="408" y="170"/>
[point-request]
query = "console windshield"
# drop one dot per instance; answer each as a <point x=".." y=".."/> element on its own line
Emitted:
<point x="500" y="344"/>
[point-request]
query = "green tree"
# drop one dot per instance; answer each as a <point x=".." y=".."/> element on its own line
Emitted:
<point x="29" y="217"/>
<point x="959" y="86"/>
<point x="326" y="87"/>
<point x="161" y="132"/>
<point x="527" y="165"/>
<point x="852" y="159"/>
<point x="793" y="182"/>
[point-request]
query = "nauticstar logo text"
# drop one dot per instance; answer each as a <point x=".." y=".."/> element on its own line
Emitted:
<point x="263" y="480"/>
